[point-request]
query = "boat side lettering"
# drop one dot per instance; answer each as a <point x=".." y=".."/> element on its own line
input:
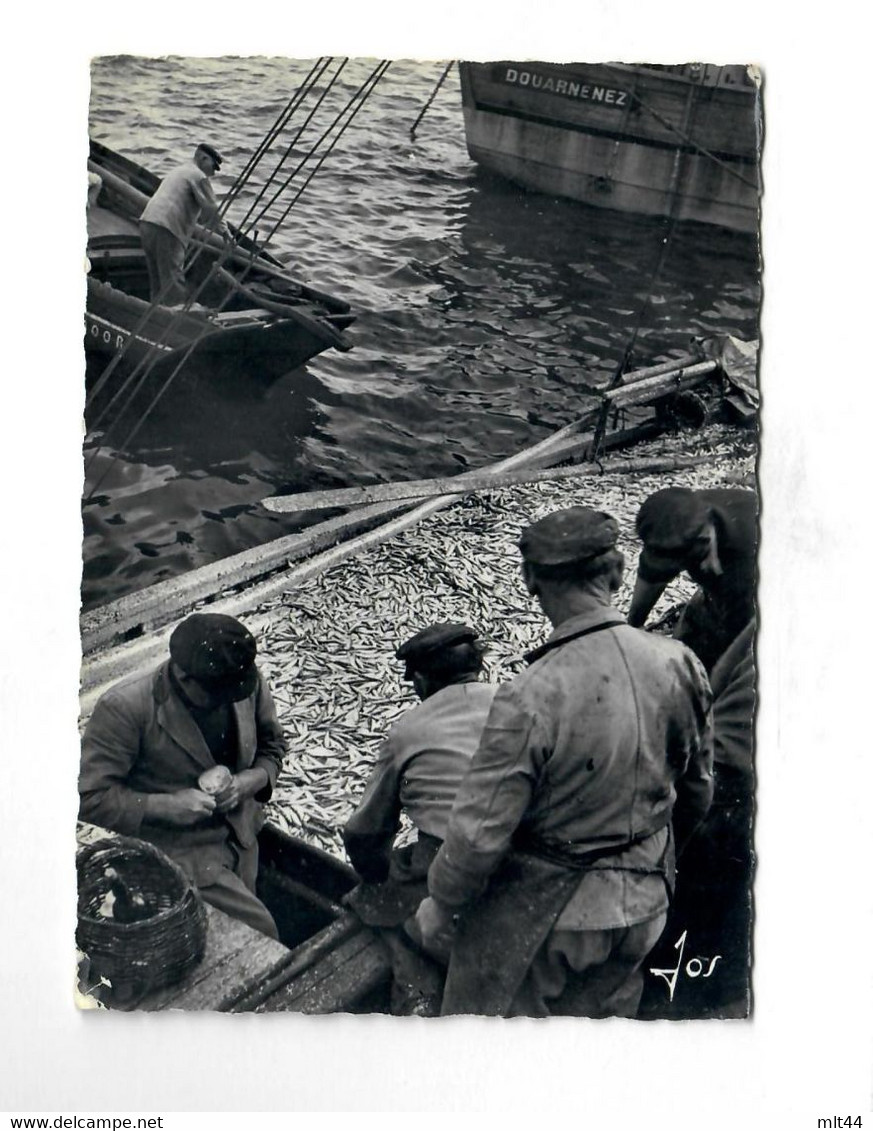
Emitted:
<point x="567" y="88"/>
<point x="106" y="336"/>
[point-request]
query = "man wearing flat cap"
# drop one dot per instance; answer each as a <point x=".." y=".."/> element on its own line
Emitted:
<point x="712" y="536"/>
<point x="418" y="771"/>
<point x="554" y="877"/>
<point x="153" y="737"/>
<point x="182" y="198"/>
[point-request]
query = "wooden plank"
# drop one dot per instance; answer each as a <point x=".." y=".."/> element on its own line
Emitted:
<point x="483" y="481"/>
<point x="644" y="392"/>
<point x="303" y="957"/>
<point x="158" y="604"/>
<point x="236" y="960"/>
<point x="345" y="975"/>
<point x="101" y="670"/>
<point x="141" y="612"/>
<point x="161" y="603"/>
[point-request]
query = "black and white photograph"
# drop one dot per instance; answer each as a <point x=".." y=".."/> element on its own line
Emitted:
<point x="447" y="585"/>
<point x="420" y="527"/>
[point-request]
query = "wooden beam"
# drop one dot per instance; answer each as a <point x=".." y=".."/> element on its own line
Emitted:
<point x="112" y="662"/>
<point x="469" y="484"/>
<point x="133" y="615"/>
<point x="128" y="634"/>
<point x="663" y="385"/>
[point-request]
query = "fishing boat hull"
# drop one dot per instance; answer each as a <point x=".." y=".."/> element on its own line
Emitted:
<point x="678" y="142"/>
<point x="255" y="341"/>
<point x="338" y="964"/>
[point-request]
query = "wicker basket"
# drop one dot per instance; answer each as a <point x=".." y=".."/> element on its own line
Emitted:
<point x="169" y="934"/>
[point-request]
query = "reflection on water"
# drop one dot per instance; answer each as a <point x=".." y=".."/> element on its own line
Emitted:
<point x="486" y="315"/>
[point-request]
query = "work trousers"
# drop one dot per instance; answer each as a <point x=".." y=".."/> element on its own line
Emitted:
<point x="232" y="887"/>
<point x="165" y="260"/>
<point x="588" y="973"/>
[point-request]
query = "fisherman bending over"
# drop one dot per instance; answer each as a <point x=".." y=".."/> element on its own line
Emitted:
<point x="167" y="222"/>
<point x="152" y="736"/>
<point x="712" y="536"/>
<point x="552" y="884"/>
<point x="420" y="766"/>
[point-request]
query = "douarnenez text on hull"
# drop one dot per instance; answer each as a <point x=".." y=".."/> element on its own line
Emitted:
<point x="674" y="141"/>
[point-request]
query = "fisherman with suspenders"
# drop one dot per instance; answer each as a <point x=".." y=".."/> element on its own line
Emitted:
<point x="554" y="878"/>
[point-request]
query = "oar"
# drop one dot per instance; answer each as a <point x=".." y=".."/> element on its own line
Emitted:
<point x="316" y="325"/>
<point x="463" y="484"/>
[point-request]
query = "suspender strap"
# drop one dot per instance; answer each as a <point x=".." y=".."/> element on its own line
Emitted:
<point x="531" y="657"/>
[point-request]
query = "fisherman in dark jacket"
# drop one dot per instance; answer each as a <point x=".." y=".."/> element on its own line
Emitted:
<point x="151" y="738"/>
<point x="553" y="881"/>
<point x="420" y="766"/>
<point x="713" y="903"/>
<point x="712" y="536"/>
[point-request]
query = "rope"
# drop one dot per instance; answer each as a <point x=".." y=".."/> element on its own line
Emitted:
<point x="153" y="352"/>
<point x="427" y="104"/>
<point x="146" y="364"/>
<point x="266" y="143"/>
<point x="288" y="151"/>
<point x="671" y="221"/>
<point x="363" y="93"/>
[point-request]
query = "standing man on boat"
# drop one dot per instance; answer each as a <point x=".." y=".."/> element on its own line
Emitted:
<point x="152" y="737"/>
<point x="553" y="881"/>
<point x="712" y="536"/>
<point x="421" y="764"/>
<point x="183" y="197"/>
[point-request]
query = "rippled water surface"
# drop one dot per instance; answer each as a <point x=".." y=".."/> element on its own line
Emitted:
<point x="486" y="315"/>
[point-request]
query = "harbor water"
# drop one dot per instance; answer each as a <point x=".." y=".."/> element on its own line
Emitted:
<point x="487" y="316"/>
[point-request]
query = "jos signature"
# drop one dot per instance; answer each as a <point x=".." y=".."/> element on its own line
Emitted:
<point x="698" y="967"/>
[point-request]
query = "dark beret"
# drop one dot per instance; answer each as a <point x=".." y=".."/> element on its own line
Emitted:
<point x="431" y="640"/>
<point x="670" y="520"/>
<point x="218" y="652"/>
<point x="212" y="152"/>
<point x="566" y="537"/>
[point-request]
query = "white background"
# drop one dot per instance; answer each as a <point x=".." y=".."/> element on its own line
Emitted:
<point x="808" y="1052"/>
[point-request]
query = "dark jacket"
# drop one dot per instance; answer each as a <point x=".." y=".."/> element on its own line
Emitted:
<point x="142" y="740"/>
<point x="734" y="513"/>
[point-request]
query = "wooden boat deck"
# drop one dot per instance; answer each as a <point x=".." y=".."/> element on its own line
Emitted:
<point x="244" y="971"/>
<point x="102" y="223"/>
<point x="327" y="961"/>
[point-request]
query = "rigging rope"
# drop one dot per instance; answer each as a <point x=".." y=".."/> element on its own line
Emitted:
<point x="362" y="94"/>
<point x="429" y="102"/>
<point x="671" y="221"/>
<point x="320" y="66"/>
<point x="244" y="176"/>
<point x="145" y="365"/>
<point x="141" y="371"/>
<point x="288" y="152"/>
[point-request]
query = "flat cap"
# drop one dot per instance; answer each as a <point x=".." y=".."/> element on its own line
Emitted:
<point x="670" y="520"/>
<point x="218" y="652"/>
<point x="566" y="537"/>
<point x="432" y="639"/>
<point x="212" y="152"/>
